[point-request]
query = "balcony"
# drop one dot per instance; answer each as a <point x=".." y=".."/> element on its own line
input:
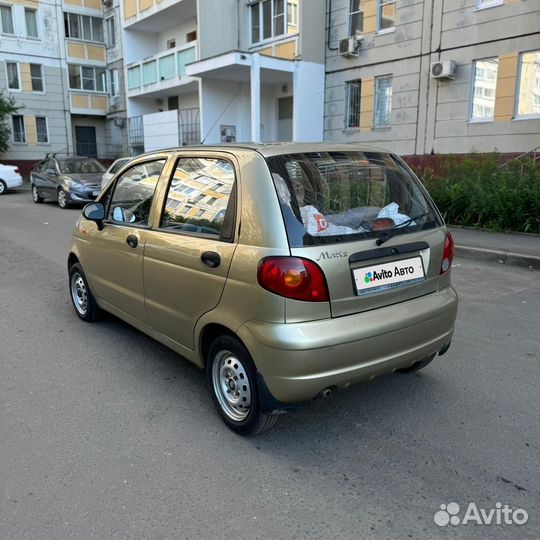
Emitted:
<point x="91" y="103"/>
<point x="158" y="75"/>
<point x="147" y="15"/>
<point x="164" y="129"/>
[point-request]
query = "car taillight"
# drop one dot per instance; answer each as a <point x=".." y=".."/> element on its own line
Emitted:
<point x="17" y="171"/>
<point x="448" y="253"/>
<point x="293" y="277"/>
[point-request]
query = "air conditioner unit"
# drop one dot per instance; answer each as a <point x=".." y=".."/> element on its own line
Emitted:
<point x="348" y="47"/>
<point x="443" y="70"/>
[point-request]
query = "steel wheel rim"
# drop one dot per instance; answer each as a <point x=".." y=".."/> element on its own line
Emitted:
<point x="79" y="293"/>
<point x="35" y="194"/>
<point x="62" y="198"/>
<point x="231" y="385"/>
<point x="2" y="188"/>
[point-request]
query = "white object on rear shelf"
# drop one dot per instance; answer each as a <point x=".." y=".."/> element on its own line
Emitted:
<point x="392" y="211"/>
<point x="318" y="225"/>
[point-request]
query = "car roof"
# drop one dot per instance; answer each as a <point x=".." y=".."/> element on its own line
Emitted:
<point x="274" y="149"/>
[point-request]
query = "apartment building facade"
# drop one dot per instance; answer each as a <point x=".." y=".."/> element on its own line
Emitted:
<point x="223" y="71"/>
<point x="65" y="71"/>
<point x="437" y="77"/>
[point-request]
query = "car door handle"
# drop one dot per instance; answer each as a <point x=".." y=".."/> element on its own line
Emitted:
<point x="132" y="241"/>
<point x="211" y="259"/>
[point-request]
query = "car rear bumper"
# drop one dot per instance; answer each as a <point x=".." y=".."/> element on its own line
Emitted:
<point x="13" y="183"/>
<point x="299" y="360"/>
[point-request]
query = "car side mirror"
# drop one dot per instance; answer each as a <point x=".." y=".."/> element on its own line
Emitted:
<point x="95" y="211"/>
<point x="51" y="172"/>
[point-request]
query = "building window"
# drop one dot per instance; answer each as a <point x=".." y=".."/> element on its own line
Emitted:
<point x="356" y="18"/>
<point x="13" y="78"/>
<point x="481" y="4"/>
<point x="114" y="87"/>
<point x="383" y="102"/>
<point x="87" y="78"/>
<point x="19" y="133"/>
<point x="484" y="83"/>
<point x="111" y="32"/>
<point x="42" y="130"/>
<point x="30" y="17"/>
<point x="352" y="104"/>
<point x="528" y="101"/>
<point x="171" y="43"/>
<point x="273" y="18"/>
<point x="83" y="27"/>
<point x="386" y="15"/>
<point x="6" y="20"/>
<point x="36" y="75"/>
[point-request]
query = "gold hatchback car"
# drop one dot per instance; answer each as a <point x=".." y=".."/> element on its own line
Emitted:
<point x="284" y="270"/>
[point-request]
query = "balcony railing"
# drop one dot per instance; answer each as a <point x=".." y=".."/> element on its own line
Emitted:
<point x="161" y="67"/>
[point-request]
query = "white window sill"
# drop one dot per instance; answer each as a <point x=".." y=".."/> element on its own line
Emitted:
<point x="385" y="31"/>
<point x="521" y="117"/>
<point x="80" y="40"/>
<point x="15" y="90"/>
<point x="480" y="120"/>
<point x="351" y="129"/>
<point x="381" y="128"/>
<point x="488" y="6"/>
<point x="269" y="41"/>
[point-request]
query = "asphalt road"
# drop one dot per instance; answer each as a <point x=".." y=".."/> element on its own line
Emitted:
<point x="106" y="434"/>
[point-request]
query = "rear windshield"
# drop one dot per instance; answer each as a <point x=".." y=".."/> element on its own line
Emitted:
<point x="80" y="166"/>
<point x="333" y="197"/>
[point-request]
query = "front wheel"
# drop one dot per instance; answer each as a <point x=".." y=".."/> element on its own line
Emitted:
<point x="62" y="198"/>
<point x="81" y="296"/>
<point x="232" y="378"/>
<point x="35" y="195"/>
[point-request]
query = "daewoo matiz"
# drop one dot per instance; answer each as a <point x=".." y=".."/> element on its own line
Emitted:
<point x="284" y="270"/>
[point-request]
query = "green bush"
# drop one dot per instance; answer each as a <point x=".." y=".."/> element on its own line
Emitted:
<point x="480" y="192"/>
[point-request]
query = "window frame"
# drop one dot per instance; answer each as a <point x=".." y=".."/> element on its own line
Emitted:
<point x="113" y="82"/>
<point x="228" y="231"/>
<point x="110" y="23"/>
<point x="42" y="77"/>
<point x="35" y="12"/>
<point x="376" y="126"/>
<point x="479" y="120"/>
<point x="273" y="36"/>
<point x="19" y="81"/>
<point x="380" y="4"/>
<point x="25" y="141"/>
<point x="95" y="79"/>
<point x="348" y="87"/>
<point x="48" y="141"/>
<point x="2" y="31"/>
<point x="526" y="116"/>
<point x="351" y="13"/>
<point x="109" y="193"/>
<point x="81" y="26"/>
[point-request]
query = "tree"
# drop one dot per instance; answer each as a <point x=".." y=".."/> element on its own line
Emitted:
<point x="7" y="108"/>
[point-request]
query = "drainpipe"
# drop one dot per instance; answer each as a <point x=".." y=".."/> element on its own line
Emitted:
<point x="255" y="76"/>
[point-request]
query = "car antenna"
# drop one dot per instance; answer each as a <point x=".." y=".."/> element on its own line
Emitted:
<point x="219" y="117"/>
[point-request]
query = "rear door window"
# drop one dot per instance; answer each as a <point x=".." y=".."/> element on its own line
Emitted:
<point x="199" y="197"/>
<point x="333" y="197"/>
<point x="133" y="193"/>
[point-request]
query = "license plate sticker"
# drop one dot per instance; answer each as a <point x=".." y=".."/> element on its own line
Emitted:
<point x="380" y="277"/>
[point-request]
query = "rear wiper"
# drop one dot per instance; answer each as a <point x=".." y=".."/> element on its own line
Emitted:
<point x="385" y="236"/>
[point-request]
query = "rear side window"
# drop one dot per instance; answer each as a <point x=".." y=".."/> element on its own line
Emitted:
<point x="133" y="193"/>
<point x="199" y="196"/>
<point x="333" y="197"/>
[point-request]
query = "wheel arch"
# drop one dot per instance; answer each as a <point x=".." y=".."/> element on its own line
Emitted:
<point x="208" y="334"/>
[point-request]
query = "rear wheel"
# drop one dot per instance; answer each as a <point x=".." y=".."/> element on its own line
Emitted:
<point x="62" y="198"/>
<point x="81" y="296"/>
<point x="3" y="187"/>
<point x="421" y="364"/>
<point x="35" y="195"/>
<point x="232" y="377"/>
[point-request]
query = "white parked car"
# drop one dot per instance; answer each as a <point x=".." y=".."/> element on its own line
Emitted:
<point x="9" y="178"/>
<point x="112" y="170"/>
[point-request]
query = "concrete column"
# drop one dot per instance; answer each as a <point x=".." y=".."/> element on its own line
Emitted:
<point x="255" y="79"/>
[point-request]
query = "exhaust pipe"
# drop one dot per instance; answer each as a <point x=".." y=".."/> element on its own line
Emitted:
<point x="327" y="393"/>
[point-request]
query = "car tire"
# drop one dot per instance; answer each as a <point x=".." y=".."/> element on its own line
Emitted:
<point x="35" y="195"/>
<point x="3" y="187"/>
<point x="417" y="366"/>
<point x="232" y="378"/>
<point x="81" y="296"/>
<point x="62" y="199"/>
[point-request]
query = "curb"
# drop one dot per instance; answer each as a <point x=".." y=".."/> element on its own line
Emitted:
<point x="503" y="257"/>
